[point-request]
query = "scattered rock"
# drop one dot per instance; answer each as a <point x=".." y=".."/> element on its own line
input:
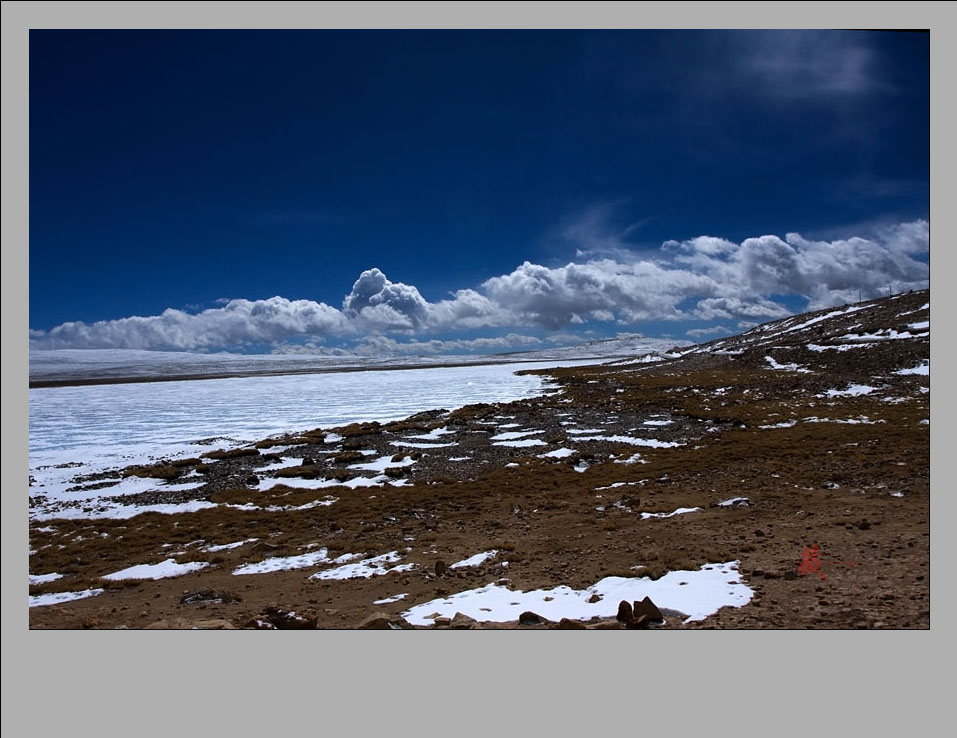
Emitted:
<point x="625" y="612"/>
<point x="639" y="623"/>
<point x="568" y="624"/>
<point x="260" y="624"/>
<point x="289" y="620"/>
<point x="462" y="622"/>
<point x="308" y="461"/>
<point x="209" y="595"/>
<point x="605" y="625"/>
<point x="376" y="621"/>
<point x="264" y="546"/>
<point x="594" y="598"/>
<point x="252" y="480"/>
<point x="530" y="618"/>
<point x="440" y="568"/>
<point x="649" y="609"/>
<point x="442" y="622"/>
<point x="213" y="624"/>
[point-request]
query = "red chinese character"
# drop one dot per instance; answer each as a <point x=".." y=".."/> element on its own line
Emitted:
<point x="811" y="561"/>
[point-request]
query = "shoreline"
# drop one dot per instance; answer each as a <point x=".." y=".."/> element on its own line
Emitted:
<point x="100" y="381"/>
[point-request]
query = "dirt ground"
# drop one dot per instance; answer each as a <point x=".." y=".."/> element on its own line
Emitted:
<point x="846" y="473"/>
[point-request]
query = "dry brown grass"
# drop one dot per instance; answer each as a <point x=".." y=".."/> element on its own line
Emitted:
<point x="231" y="454"/>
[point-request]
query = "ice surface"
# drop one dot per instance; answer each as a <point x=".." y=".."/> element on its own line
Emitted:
<point x="55" y="598"/>
<point x="478" y="559"/>
<point x="162" y="570"/>
<point x="100" y="427"/>
<point x="697" y="594"/>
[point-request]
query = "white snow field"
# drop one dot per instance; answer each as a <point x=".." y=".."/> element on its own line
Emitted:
<point x="88" y="429"/>
<point x="697" y="594"/>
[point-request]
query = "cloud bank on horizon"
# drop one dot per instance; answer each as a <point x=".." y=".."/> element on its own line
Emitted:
<point x="685" y="282"/>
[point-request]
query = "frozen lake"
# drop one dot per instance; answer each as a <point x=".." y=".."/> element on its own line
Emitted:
<point x="104" y="426"/>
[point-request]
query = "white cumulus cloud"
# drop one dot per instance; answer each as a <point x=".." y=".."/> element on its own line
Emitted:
<point x="704" y="278"/>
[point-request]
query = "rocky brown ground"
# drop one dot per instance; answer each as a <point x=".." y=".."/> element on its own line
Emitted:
<point x="846" y="473"/>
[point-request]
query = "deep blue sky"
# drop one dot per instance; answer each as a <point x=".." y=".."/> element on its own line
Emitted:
<point x="169" y="169"/>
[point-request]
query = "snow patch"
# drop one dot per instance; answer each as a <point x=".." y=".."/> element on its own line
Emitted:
<point x="476" y="560"/>
<point x="382" y="463"/>
<point x="162" y="570"/>
<point x="375" y="566"/>
<point x="433" y="434"/>
<point x="922" y="369"/>
<point x="697" y="594"/>
<point x="228" y="546"/>
<point x="43" y="578"/>
<point x="558" y="453"/>
<point x="417" y="444"/>
<point x="651" y="442"/>
<point x="679" y="511"/>
<point x="511" y="435"/>
<point x="786" y="367"/>
<point x="733" y="502"/>
<point x="55" y="598"/>
<point x="854" y="390"/>
<point x="393" y="598"/>
<point x="285" y="563"/>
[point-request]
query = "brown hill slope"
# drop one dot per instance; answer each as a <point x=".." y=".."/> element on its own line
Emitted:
<point x="820" y="422"/>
